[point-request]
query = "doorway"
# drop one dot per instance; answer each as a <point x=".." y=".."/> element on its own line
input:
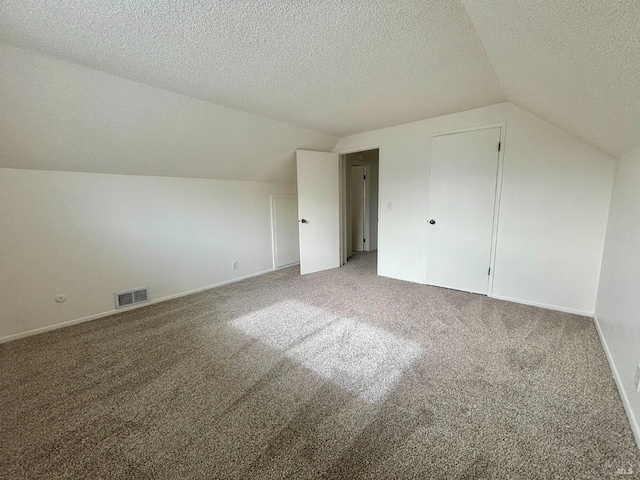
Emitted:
<point x="360" y="208"/>
<point x="325" y="207"/>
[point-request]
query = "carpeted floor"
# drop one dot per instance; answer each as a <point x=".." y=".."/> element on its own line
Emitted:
<point x="340" y="374"/>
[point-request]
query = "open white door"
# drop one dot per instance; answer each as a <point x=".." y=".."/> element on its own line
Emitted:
<point x="318" y="210"/>
<point x="462" y="192"/>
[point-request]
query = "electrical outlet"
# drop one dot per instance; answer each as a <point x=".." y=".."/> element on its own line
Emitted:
<point x="234" y="265"/>
<point x="637" y="379"/>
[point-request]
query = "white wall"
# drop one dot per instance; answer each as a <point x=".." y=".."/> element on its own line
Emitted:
<point x="56" y="115"/>
<point x="553" y="213"/>
<point x="69" y="232"/>
<point x="618" y="307"/>
<point x="90" y="235"/>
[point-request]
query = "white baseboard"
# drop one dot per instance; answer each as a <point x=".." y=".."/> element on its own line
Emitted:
<point x="287" y="265"/>
<point x="68" y="323"/>
<point x="623" y="394"/>
<point x="403" y="279"/>
<point x="584" y="313"/>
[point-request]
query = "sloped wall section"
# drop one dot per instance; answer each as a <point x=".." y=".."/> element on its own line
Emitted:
<point x="129" y="219"/>
<point x="56" y="115"/>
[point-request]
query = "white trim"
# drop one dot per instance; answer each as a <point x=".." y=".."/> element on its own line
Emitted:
<point x="344" y="220"/>
<point x="274" y="240"/>
<point x="344" y="243"/>
<point x="633" y="422"/>
<point x="294" y="264"/>
<point x="68" y="323"/>
<point x="358" y="149"/>
<point x="470" y="129"/>
<point x="584" y="313"/>
<point x="366" y="244"/>
<point x="404" y="279"/>
<point x="496" y="209"/>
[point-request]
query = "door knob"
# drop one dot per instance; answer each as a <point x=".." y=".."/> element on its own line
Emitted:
<point x="303" y="221"/>
<point x="432" y="221"/>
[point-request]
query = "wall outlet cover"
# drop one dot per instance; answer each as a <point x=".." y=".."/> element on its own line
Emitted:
<point x="234" y="265"/>
<point x="637" y="379"/>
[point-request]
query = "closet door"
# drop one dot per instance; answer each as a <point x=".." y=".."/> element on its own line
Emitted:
<point x="462" y="192"/>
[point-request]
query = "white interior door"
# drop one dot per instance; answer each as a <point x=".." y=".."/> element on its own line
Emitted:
<point x="318" y="210"/>
<point x="462" y="192"/>
<point x="357" y="208"/>
<point x="284" y="218"/>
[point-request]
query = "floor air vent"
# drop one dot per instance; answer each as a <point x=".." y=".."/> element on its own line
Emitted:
<point x="131" y="297"/>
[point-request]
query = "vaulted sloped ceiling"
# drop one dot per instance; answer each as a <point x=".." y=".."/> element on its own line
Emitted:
<point x="343" y="67"/>
<point x="575" y="63"/>
<point x="335" y="66"/>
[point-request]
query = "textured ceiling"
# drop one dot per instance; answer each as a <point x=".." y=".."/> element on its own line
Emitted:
<point x="347" y="66"/>
<point x="335" y="66"/>
<point x="575" y="63"/>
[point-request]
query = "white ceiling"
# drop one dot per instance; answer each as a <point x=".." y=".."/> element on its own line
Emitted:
<point x="335" y="66"/>
<point x="575" y="63"/>
<point x="344" y="67"/>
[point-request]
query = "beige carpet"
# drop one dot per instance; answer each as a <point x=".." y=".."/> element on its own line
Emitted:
<point x="340" y="374"/>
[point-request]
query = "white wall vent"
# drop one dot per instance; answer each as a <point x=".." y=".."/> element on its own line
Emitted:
<point x="131" y="297"/>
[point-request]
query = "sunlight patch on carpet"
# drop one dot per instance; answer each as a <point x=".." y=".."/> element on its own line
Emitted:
<point x="358" y="357"/>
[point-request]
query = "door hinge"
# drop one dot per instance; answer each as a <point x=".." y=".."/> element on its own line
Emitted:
<point x="489" y="273"/>
<point x="364" y="240"/>
<point x="364" y="177"/>
<point x="499" y="145"/>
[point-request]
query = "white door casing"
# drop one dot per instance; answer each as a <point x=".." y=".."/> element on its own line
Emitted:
<point x="462" y="200"/>
<point x="318" y="210"/>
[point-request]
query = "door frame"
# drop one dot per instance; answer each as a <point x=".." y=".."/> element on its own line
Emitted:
<point x="343" y="197"/>
<point x="498" y="191"/>
<point x="274" y="238"/>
